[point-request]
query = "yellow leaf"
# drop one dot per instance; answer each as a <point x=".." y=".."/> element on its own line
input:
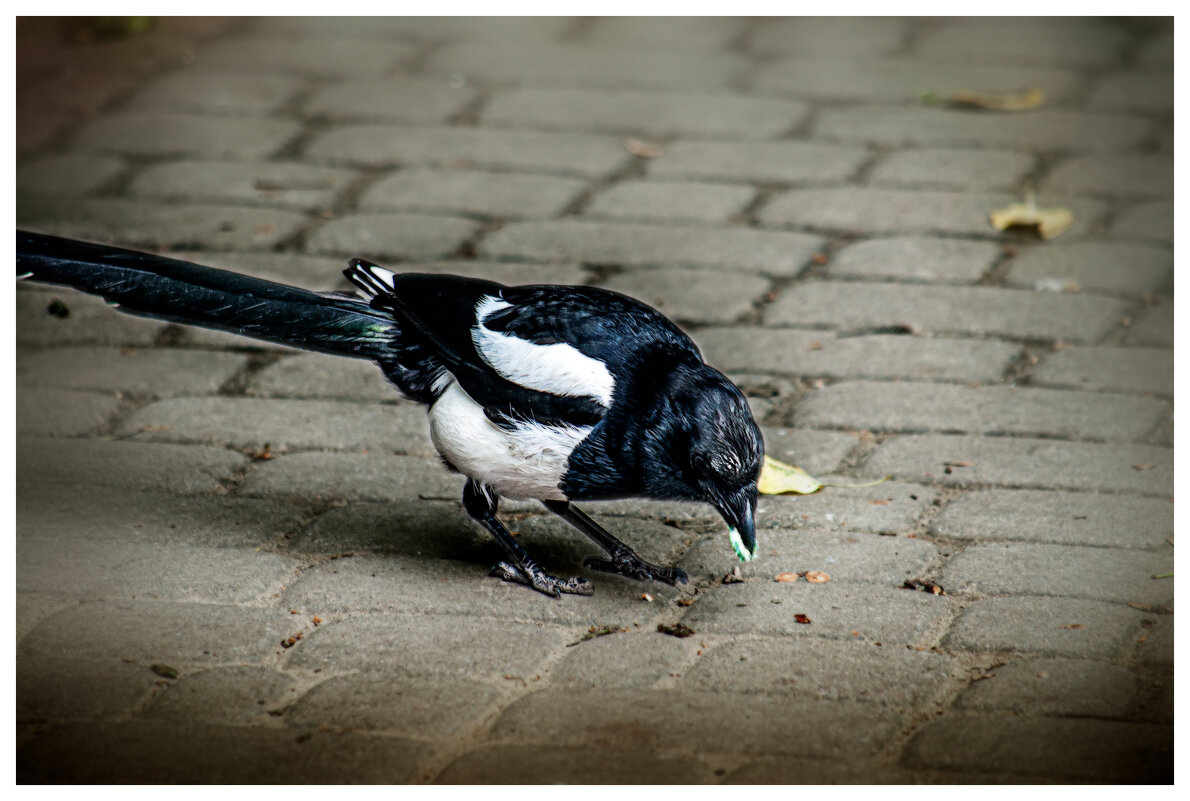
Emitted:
<point x="1031" y="98"/>
<point x="1049" y="222"/>
<point x="777" y="477"/>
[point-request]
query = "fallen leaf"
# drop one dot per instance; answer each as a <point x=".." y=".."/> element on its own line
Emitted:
<point x="878" y="502"/>
<point x="820" y="258"/>
<point x="815" y="345"/>
<point x="785" y="577"/>
<point x="646" y="150"/>
<point x="777" y="478"/>
<point x="1075" y="626"/>
<point x="596" y="631"/>
<point x="817" y="577"/>
<point x="675" y="630"/>
<point x="803" y="619"/>
<point x="931" y="587"/>
<point x="685" y="602"/>
<point x="959" y="464"/>
<point x="1049" y="222"/>
<point x="1143" y="466"/>
<point x="164" y="671"/>
<point x="1027" y="100"/>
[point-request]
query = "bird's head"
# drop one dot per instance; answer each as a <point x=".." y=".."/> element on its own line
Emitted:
<point x="712" y="449"/>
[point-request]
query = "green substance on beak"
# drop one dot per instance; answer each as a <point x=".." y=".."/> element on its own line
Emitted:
<point x="737" y="545"/>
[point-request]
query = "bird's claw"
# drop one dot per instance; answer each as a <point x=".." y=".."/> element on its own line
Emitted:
<point x="634" y="567"/>
<point x="541" y="581"/>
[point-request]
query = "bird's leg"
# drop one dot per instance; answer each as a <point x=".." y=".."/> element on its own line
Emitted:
<point x="481" y="506"/>
<point x="623" y="559"/>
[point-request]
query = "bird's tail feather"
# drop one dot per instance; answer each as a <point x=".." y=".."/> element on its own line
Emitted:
<point x="176" y="291"/>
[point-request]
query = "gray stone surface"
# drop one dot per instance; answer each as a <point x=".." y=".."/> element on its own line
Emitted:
<point x="395" y="236"/>
<point x="760" y="162"/>
<point x="350" y="476"/>
<point x="49" y="687"/>
<point x="623" y="659"/>
<point x="286" y="184"/>
<point x="157" y="372"/>
<point x="697" y="115"/>
<point x="916" y="258"/>
<point x="87" y="319"/>
<point x="1146" y="221"/>
<point x="1141" y="91"/>
<point x="64" y="412"/>
<point x="953" y="169"/>
<point x="698" y="296"/>
<point x="317" y="273"/>
<point x="942" y="309"/>
<point x="631" y="244"/>
<point x="1127" y="176"/>
<point x="319" y="56"/>
<point x="1139" y="370"/>
<point x="914" y="407"/>
<point x="315" y="375"/>
<point x="406" y="100"/>
<point x="887" y="508"/>
<point x="826" y="36"/>
<point x="1081" y="43"/>
<point x="486" y="194"/>
<point x="813" y="451"/>
<point x="584" y="764"/>
<point x="1068" y="627"/>
<point x="1105" y="266"/>
<point x="665" y="201"/>
<point x="1059" y="517"/>
<point x="203" y="91"/>
<point x="1072" y="687"/>
<point x="160" y="134"/>
<point x="69" y="175"/>
<point x="224" y="696"/>
<point x="1155" y="326"/>
<point x="1026" y="463"/>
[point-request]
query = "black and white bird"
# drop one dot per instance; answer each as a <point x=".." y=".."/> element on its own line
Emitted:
<point x="553" y="393"/>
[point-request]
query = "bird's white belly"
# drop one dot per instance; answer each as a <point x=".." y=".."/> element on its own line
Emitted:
<point x="525" y="462"/>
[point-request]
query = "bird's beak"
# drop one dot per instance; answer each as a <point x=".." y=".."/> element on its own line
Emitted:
<point x="739" y="510"/>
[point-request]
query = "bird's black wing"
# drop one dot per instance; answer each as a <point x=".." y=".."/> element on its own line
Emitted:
<point x="541" y="352"/>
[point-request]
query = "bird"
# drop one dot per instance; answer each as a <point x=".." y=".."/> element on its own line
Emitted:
<point x="559" y="394"/>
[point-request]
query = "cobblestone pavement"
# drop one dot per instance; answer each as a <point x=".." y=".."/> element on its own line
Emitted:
<point x="190" y="504"/>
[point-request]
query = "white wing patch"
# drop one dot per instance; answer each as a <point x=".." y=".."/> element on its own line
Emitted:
<point x="558" y="369"/>
<point x="526" y="461"/>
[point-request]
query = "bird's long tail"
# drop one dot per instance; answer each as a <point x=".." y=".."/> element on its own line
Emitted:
<point x="180" y="292"/>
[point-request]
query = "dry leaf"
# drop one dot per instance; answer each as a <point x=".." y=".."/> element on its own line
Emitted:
<point x="1029" y="99"/>
<point x="646" y="597"/>
<point x="817" y="577"/>
<point x="1049" y="222"/>
<point x="1143" y="466"/>
<point x="803" y="619"/>
<point x="820" y="258"/>
<point x="815" y="345"/>
<point x="777" y="478"/>
<point x="639" y="147"/>
<point x="785" y="577"/>
<point x="878" y="502"/>
<point x="1075" y="626"/>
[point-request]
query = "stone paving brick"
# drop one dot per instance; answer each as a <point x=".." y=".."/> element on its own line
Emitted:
<point x="1071" y="627"/>
<point x="697" y="296"/>
<point x="423" y="586"/>
<point x="1067" y="518"/>
<point x="126" y="465"/>
<point x="51" y="688"/>
<point x="912" y="407"/>
<point x="790" y="770"/>
<point x="892" y="211"/>
<point x="350" y="476"/>
<point x="157" y="226"/>
<point x="137" y="517"/>
<point x="487" y="194"/>
<point x="582" y="155"/>
<point x="250" y="423"/>
<point x="1105" y="574"/>
<point x="406" y="236"/>
<point x="569" y="64"/>
<point x="509" y="273"/>
<point x="1146" y="221"/>
<point x="1157" y="647"/>
<point x="159" y="372"/>
<point x="943" y="309"/>
<point x="1157" y="52"/>
<point x="289" y="185"/>
<point x="1126" y="176"/>
<point x="916" y="258"/>
<point x="1027" y="463"/>
<point x="823" y="353"/>
<point x="1107" y="266"/>
<point x="88" y="319"/>
<point x="420" y="29"/>
<point x="885" y="80"/>
<point x="585" y="764"/>
<point x="159" y="134"/>
<point x="317" y="273"/>
<point x="817" y="452"/>
<point x="1140" y="370"/>
<point x="848" y="671"/>
<point x="316" y="375"/>
<point x="897" y="126"/>
<point x="1155" y="327"/>
<point x="63" y="412"/>
<point x="318" y="56"/>
<point x="1086" y="750"/>
<point x="395" y="703"/>
<point x="1059" y="687"/>
<point x="1142" y="91"/>
<point x="829" y="36"/>
<point x="442" y="646"/>
<point x="166" y="572"/>
<point x="713" y="116"/>
<point x="407" y="100"/>
<point x="953" y="169"/>
<point x="759" y="162"/>
<point x="623" y="659"/>
<point x="411" y="527"/>
<point x="893" y="616"/>
<point x="845" y="556"/>
<point x="666" y="202"/>
<point x="768" y="252"/>
<point x="202" y="91"/>
<point x="162" y="752"/>
<point x="887" y="508"/>
<point x="224" y="696"/>
<point x="181" y="634"/>
<point x="70" y="174"/>
<point x="1073" y="43"/>
<point x="32" y="609"/>
<point x="669" y="33"/>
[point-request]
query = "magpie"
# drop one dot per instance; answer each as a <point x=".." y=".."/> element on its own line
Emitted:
<point x="545" y="392"/>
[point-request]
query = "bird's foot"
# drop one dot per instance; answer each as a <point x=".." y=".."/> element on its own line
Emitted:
<point x="626" y="563"/>
<point x="541" y="581"/>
